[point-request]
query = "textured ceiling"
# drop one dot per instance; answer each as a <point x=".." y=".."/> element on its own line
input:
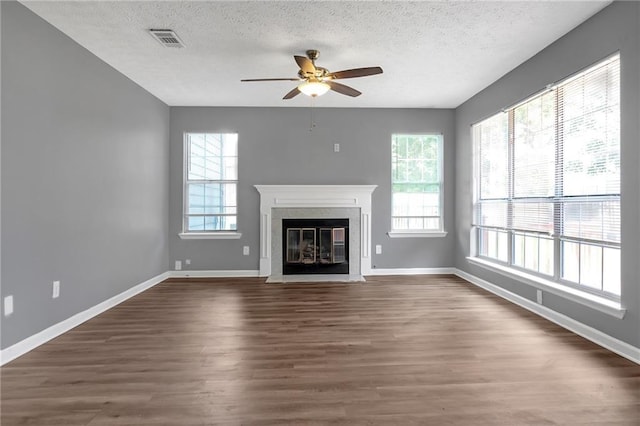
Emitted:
<point x="434" y="53"/>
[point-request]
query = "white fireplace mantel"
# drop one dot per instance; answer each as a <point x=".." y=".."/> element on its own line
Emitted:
<point x="315" y="196"/>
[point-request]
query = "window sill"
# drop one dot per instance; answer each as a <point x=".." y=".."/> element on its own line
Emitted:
<point x="593" y="301"/>
<point x="417" y="234"/>
<point x="210" y="235"/>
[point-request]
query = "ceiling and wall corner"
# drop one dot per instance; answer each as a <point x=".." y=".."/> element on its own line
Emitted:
<point x="435" y="54"/>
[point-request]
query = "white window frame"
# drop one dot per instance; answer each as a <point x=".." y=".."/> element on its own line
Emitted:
<point x="422" y="233"/>
<point x="597" y="299"/>
<point x="186" y="234"/>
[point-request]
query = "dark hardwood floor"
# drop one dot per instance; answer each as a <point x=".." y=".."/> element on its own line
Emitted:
<point x="410" y="350"/>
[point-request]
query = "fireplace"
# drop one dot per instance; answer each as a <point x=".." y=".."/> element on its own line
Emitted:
<point x="278" y="202"/>
<point x="315" y="246"/>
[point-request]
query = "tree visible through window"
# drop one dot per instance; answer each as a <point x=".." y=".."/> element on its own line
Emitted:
<point x="211" y="180"/>
<point x="547" y="175"/>
<point x="416" y="168"/>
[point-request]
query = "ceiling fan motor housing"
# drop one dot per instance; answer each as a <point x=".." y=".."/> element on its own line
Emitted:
<point x="320" y="73"/>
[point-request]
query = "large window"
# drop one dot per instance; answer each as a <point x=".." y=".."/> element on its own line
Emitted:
<point x="416" y="164"/>
<point x="547" y="176"/>
<point x="211" y="180"/>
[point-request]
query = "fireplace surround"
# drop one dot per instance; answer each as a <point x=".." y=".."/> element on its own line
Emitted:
<point x="278" y="202"/>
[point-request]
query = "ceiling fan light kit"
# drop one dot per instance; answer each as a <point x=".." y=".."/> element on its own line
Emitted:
<point x="314" y="88"/>
<point x="316" y="81"/>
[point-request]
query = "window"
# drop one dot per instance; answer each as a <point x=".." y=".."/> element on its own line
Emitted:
<point x="547" y="181"/>
<point x="416" y="168"/>
<point x="211" y="180"/>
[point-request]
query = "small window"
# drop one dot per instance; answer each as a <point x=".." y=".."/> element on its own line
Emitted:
<point x="416" y="169"/>
<point x="211" y="180"/>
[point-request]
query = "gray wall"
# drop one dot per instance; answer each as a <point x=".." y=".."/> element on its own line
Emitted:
<point x="615" y="28"/>
<point x="276" y="146"/>
<point x="85" y="156"/>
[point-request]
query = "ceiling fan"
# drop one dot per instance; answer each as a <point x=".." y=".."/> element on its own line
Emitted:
<point x="316" y="81"/>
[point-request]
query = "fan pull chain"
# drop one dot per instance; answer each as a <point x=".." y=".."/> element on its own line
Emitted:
<point x="312" y="124"/>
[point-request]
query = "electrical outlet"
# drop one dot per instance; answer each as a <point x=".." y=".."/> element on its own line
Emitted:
<point x="178" y="265"/>
<point x="245" y="250"/>
<point x="8" y="305"/>
<point x="56" y="290"/>
<point x="378" y="248"/>
<point x="539" y="296"/>
<point x="336" y="147"/>
<point x="187" y="262"/>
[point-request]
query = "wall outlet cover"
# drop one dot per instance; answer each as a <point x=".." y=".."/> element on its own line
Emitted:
<point x="178" y="265"/>
<point x="245" y="250"/>
<point x="56" y="290"/>
<point x="8" y="305"/>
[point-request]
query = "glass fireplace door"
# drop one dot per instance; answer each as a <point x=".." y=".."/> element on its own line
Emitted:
<point x="301" y="245"/>
<point x="332" y="245"/>
<point x="339" y="252"/>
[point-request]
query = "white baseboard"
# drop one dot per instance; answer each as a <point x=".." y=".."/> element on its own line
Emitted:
<point x="32" y="342"/>
<point x="411" y="271"/>
<point x="214" y="274"/>
<point x="606" y="341"/>
<point x="256" y="273"/>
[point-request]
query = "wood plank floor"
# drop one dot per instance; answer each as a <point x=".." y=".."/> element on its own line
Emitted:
<point x="423" y="350"/>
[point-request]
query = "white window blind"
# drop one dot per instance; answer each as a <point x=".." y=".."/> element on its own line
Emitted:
<point x="211" y="182"/>
<point x="547" y="175"/>
<point x="492" y="143"/>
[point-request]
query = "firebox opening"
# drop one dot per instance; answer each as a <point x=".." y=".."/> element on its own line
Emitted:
<point x="315" y="246"/>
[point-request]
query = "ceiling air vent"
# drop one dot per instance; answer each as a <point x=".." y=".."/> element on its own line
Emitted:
<point x="167" y="38"/>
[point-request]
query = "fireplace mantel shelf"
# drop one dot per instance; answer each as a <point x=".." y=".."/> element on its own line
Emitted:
<point x="313" y="195"/>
